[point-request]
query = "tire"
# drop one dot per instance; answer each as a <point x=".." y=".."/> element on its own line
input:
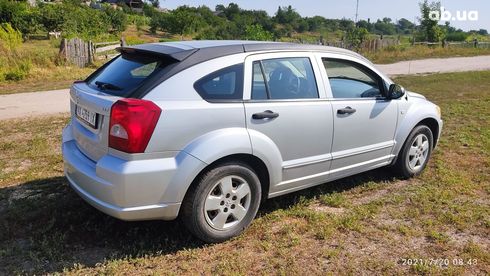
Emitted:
<point x="415" y="153"/>
<point x="223" y="202"/>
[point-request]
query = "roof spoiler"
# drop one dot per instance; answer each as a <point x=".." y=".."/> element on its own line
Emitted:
<point x="158" y="49"/>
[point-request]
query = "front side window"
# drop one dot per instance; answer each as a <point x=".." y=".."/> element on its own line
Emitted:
<point x="284" y="78"/>
<point x="224" y="84"/>
<point x="351" y="80"/>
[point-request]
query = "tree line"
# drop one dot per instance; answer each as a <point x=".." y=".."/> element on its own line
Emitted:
<point x="70" y="17"/>
<point x="75" y="18"/>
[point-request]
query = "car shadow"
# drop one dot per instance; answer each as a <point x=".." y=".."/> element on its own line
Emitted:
<point x="45" y="227"/>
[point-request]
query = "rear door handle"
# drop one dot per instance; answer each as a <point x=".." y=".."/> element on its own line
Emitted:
<point x="346" y="110"/>
<point x="268" y="114"/>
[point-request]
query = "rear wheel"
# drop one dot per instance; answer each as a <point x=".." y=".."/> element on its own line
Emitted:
<point x="223" y="203"/>
<point x="416" y="152"/>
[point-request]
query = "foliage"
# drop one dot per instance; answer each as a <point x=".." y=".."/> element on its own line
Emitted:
<point x="19" y="72"/>
<point x="183" y="20"/>
<point x="10" y="38"/>
<point x="117" y="18"/>
<point x="356" y="36"/>
<point x="155" y="3"/>
<point x="20" y="15"/>
<point x="256" y="32"/>
<point x="139" y="21"/>
<point x="69" y="17"/>
<point x="385" y="27"/>
<point x="429" y="29"/>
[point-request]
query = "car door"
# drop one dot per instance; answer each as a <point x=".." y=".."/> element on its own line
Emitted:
<point x="364" y="119"/>
<point x="283" y="105"/>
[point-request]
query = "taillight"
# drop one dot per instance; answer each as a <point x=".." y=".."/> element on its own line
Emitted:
<point x="132" y="124"/>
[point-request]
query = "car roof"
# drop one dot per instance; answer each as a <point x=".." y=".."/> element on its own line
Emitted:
<point x="198" y="49"/>
<point x="186" y="54"/>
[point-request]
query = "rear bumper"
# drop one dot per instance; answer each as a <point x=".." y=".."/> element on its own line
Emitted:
<point x="128" y="190"/>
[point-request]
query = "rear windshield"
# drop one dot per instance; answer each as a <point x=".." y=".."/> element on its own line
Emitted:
<point x="126" y="73"/>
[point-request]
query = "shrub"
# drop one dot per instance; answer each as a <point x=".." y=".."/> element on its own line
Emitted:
<point x="10" y="38"/>
<point x="256" y="32"/>
<point x="19" y="72"/>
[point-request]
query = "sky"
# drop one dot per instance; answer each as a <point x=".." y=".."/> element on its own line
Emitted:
<point x="372" y="9"/>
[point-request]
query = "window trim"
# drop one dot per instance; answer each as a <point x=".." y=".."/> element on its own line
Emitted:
<point x="238" y="84"/>
<point x="362" y="68"/>
<point x="269" y="99"/>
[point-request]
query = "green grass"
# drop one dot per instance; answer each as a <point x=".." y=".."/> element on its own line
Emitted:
<point x="365" y="224"/>
<point x="405" y="52"/>
<point x="46" y="71"/>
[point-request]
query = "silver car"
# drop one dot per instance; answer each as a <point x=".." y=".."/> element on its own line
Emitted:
<point x="207" y="130"/>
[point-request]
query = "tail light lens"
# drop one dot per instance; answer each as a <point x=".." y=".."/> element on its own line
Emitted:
<point x="132" y="124"/>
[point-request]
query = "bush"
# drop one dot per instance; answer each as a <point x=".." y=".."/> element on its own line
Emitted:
<point x="256" y="32"/>
<point x="117" y="18"/>
<point x="457" y="36"/>
<point x="19" y="72"/>
<point x="10" y="38"/>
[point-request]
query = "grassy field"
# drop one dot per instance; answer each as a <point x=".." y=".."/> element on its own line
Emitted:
<point x="371" y="223"/>
<point x="405" y="52"/>
<point x="47" y="72"/>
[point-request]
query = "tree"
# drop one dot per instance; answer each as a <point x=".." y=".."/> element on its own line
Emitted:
<point x="315" y="23"/>
<point x="430" y="30"/>
<point x="158" y="21"/>
<point x="356" y="36"/>
<point x="118" y="19"/>
<point x="154" y="3"/>
<point x="385" y="27"/>
<point x="289" y="18"/>
<point x="404" y="26"/>
<point x="345" y="24"/>
<point x="20" y="16"/>
<point x="256" y="32"/>
<point x="365" y="24"/>
<point x="183" y="20"/>
<point x="52" y="17"/>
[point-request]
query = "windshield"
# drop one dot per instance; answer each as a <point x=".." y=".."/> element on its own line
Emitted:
<point x="126" y="73"/>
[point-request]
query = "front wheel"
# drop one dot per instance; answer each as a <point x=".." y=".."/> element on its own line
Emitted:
<point x="416" y="151"/>
<point x="223" y="203"/>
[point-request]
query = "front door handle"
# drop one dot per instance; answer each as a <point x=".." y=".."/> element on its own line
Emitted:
<point x="346" y="110"/>
<point x="268" y="114"/>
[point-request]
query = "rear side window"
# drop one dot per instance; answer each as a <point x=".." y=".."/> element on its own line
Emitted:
<point x="126" y="73"/>
<point x="284" y="78"/>
<point x="224" y="84"/>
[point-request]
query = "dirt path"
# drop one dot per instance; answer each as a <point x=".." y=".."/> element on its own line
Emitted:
<point x="34" y="104"/>
<point x="57" y="101"/>
<point x="436" y="65"/>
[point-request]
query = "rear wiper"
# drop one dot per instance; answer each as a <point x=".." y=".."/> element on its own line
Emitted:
<point x="106" y="85"/>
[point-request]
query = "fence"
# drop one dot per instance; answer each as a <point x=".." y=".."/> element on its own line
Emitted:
<point x="82" y="54"/>
<point x="370" y="45"/>
<point x="454" y="44"/>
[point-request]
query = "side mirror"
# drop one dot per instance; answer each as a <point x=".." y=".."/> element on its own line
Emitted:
<point x="395" y="91"/>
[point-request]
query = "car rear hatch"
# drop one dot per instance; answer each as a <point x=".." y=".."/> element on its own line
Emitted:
<point x="123" y="77"/>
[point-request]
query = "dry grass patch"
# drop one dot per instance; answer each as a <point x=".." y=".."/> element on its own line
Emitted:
<point x="443" y="214"/>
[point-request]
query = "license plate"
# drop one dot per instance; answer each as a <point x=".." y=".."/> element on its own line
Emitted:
<point x="87" y="116"/>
